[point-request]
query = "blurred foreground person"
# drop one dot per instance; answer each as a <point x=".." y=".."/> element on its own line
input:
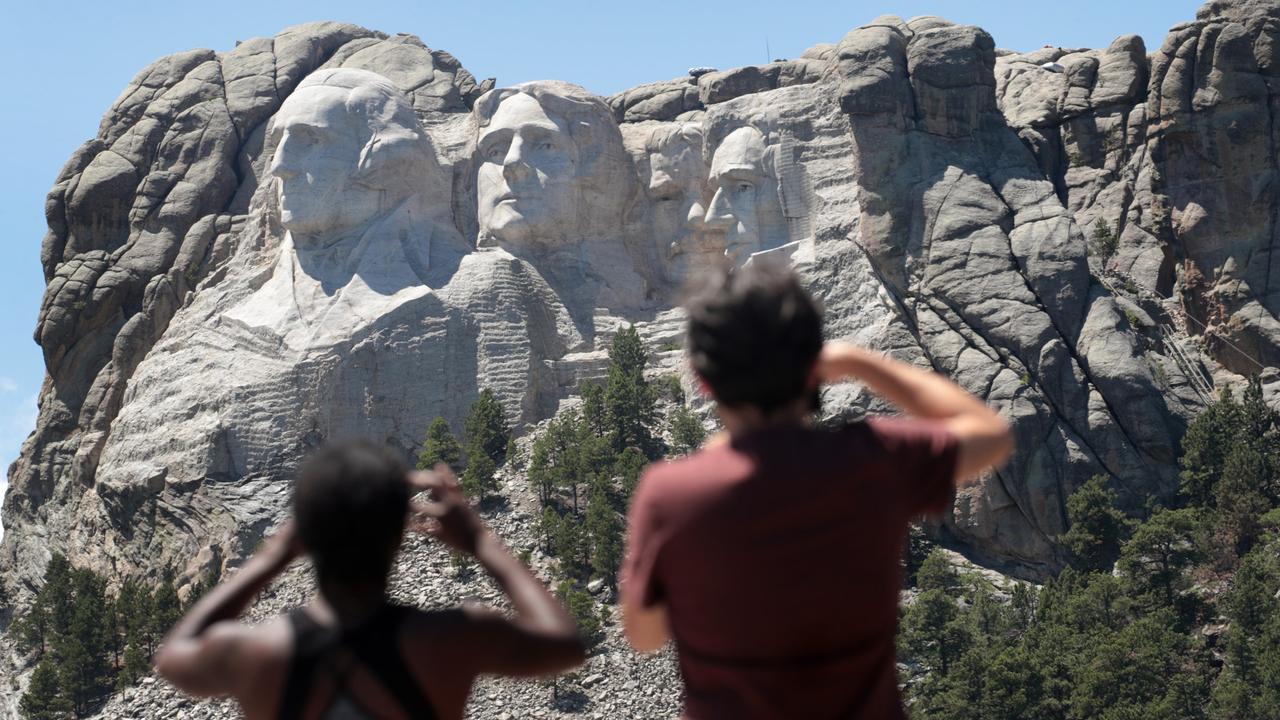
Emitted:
<point x="350" y="653"/>
<point x="772" y="555"/>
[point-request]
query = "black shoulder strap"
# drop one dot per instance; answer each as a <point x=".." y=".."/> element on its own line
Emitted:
<point x="377" y="646"/>
<point x="310" y="640"/>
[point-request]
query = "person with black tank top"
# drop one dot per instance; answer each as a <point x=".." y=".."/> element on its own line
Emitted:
<point x="350" y="653"/>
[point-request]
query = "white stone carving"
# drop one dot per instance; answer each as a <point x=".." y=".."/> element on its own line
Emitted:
<point x="759" y="196"/>
<point x="360" y="196"/>
<point x="551" y="167"/>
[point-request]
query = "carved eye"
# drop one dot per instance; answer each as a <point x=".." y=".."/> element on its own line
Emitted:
<point x="494" y="152"/>
<point x="545" y="145"/>
<point x="743" y="187"/>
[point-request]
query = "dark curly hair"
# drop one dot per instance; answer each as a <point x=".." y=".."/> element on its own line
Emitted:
<point x="754" y="335"/>
<point x="350" y="502"/>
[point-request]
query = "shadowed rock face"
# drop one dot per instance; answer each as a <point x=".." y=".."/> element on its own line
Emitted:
<point x="1175" y="155"/>
<point x="212" y="312"/>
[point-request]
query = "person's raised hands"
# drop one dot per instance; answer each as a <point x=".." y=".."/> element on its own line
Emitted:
<point x="445" y="514"/>
<point x="284" y="545"/>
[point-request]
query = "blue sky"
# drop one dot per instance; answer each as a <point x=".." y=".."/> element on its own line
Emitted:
<point x="62" y="64"/>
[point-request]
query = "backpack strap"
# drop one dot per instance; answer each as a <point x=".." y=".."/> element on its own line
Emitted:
<point x="376" y="645"/>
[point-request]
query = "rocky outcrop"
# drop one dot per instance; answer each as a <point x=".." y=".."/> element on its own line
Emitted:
<point x="1175" y="156"/>
<point x="940" y="195"/>
<point x="989" y="271"/>
<point x="145" y="213"/>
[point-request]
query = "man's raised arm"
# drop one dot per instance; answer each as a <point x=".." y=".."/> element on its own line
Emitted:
<point x="984" y="438"/>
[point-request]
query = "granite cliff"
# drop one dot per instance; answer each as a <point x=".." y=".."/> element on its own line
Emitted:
<point x="336" y="231"/>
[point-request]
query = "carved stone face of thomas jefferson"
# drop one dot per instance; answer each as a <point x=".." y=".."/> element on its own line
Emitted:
<point x="551" y="169"/>
<point x="525" y="183"/>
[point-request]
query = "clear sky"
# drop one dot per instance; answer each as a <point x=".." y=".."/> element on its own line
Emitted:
<point x="64" y="63"/>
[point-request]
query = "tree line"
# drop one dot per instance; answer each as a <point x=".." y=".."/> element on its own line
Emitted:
<point x="87" y="640"/>
<point x="1175" y="616"/>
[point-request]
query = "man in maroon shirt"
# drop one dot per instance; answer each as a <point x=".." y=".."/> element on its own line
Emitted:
<point x="772" y="555"/>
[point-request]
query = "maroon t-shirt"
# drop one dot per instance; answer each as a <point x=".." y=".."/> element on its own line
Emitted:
<point x="777" y="557"/>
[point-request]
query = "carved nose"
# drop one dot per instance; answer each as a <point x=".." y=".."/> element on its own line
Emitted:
<point x="661" y="185"/>
<point x="719" y="216"/>
<point x="697" y="216"/>
<point x="280" y="165"/>
<point x="514" y="166"/>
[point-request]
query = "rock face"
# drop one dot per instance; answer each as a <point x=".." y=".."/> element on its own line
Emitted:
<point x="337" y="232"/>
<point x="1174" y="154"/>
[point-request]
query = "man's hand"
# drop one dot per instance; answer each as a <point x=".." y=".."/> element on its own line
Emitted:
<point x="446" y="515"/>
<point x="838" y="359"/>
<point x="984" y="438"/>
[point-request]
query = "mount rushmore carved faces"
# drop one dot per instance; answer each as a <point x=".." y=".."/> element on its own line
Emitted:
<point x="551" y="167"/>
<point x="676" y="183"/>
<point x="746" y="205"/>
<point x="349" y="150"/>
<point x="361" y="195"/>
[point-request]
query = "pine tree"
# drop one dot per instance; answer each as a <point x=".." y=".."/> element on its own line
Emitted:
<point x="540" y="469"/>
<point x="687" y="432"/>
<point x="31" y="629"/>
<point x="936" y="572"/>
<point x="1250" y="603"/>
<point x="572" y="545"/>
<point x="440" y="447"/>
<point x="582" y="608"/>
<point x="58" y="597"/>
<point x="50" y="611"/>
<point x="605" y="529"/>
<point x="628" y="465"/>
<point x="1097" y="528"/>
<point x="478" y="479"/>
<point x="165" y="609"/>
<point x="1238" y="496"/>
<point x="556" y="461"/>
<point x="1205" y="446"/>
<point x="486" y="428"/>
<point x="486" y="435"/>
<point x="629" y="401"/>
<point x="933" y="631"/>
<point x="43" y="699"/>
<point x="1260" y="428"/>
<point x="594" y="412"/>
<point x="134" y="612"/>
<point x="1103" y="241"/>
<point x="1155" y="559"/>
<point x="141" y="626"/>
<point x="549" y="529"/>
<point x="134" y="667"/>
<point x="82" y="649"/>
